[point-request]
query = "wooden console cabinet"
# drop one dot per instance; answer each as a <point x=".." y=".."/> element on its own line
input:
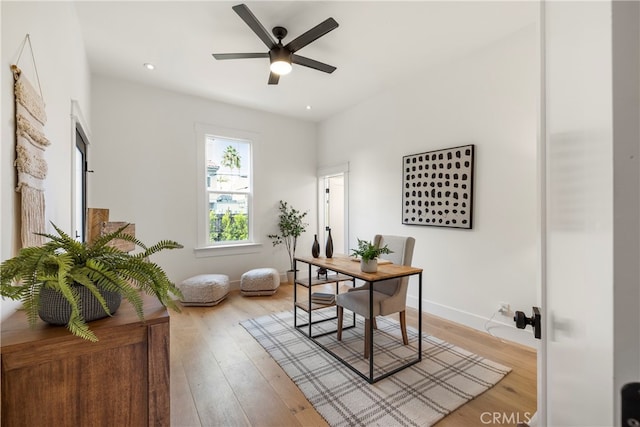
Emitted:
<point x="50" y="377"/>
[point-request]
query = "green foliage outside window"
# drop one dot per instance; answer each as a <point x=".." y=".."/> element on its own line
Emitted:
<point x="228" y="227"/>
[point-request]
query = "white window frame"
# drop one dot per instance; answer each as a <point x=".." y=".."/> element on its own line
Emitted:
<point x="205" y="248"/>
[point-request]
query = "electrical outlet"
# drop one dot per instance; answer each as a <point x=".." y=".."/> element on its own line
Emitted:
<point x="504" y="308"/>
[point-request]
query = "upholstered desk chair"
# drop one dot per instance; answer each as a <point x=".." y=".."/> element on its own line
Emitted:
<point x="389" y="296"/>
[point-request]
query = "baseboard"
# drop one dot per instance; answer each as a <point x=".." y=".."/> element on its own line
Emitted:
<point x="498" y="327"/>
<point x="234" y="285"/>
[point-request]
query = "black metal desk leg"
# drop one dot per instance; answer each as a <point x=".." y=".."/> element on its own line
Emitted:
<point x="295" y="293"/>
<point x="370" y="332"/>
<point x="420" y="316"/>
<point x="310" y="310"/>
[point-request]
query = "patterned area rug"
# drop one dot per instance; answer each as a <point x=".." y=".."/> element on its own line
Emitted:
<point x="446" y="378"/>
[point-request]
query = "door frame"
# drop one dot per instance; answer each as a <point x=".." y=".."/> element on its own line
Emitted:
<point x="78" y="124"/>
<point x="541" y="368"/>
<point x="322" y="174"/>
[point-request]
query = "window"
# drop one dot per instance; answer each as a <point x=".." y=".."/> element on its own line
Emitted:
<point x="225" y="167"/>
<point x="228" y="190"/>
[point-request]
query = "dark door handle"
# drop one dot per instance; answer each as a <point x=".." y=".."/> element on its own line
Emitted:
<point x="535" y="321"/>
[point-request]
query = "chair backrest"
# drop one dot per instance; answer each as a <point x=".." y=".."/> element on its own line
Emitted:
<point x="401" y="247"/>
<point x="402" y="254"/>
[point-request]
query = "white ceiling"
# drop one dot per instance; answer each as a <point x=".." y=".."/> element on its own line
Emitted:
<point x="377" y="45"/>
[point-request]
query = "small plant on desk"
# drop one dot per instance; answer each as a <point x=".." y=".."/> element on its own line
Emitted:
<point x="369" y="254"/>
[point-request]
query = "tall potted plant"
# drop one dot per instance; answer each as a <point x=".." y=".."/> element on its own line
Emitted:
<point x="67" y="282"/>
<point x="291" y="225"/>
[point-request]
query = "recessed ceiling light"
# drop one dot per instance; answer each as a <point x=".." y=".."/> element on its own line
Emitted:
<point x="308" y="107"/>
<point x="149" y="66"/>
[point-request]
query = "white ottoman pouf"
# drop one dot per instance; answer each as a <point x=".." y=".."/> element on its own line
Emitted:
<point x="260" y="281"/>
<point x="204" y="289"/>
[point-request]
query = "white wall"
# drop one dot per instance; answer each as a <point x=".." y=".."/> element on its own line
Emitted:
<point x="143" y="153"/>
<point x="488" y="99"/>
<point x="64" y="75"/>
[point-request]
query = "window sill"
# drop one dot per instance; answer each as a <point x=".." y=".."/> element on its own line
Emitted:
<point x="227" y="250"/>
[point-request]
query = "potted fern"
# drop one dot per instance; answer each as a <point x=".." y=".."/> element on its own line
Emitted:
<point x="291" y="226"/>
<point x="67" y="282"/>
<point x="369" y="254"/>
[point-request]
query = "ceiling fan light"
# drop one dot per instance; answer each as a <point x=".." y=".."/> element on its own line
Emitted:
<point x="281" y="67"/>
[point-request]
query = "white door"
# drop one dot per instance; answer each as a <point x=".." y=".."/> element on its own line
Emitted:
<point x="577" y="364"/>
<point x="333" y="207"/>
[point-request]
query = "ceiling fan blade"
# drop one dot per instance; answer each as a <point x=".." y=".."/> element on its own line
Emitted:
<point x="249" y="18"/>
<point x="274" y="78"/>
<point x="240" y="55"/>
<point x="312" y="63"/>
<point x="313" y="34"/>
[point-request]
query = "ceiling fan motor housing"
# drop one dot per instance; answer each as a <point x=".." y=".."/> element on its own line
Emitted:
<point x="280" y="53"/>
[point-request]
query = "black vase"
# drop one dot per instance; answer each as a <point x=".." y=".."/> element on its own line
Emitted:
<point x="315" y="249"/>
<point x="328" y="250"/>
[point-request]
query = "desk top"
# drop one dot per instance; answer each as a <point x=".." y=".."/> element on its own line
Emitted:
<point x="344" y="264"/>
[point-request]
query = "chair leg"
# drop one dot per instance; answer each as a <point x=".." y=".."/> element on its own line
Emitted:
<point x="367" y="337"/>
<point x="340" y="314"/>
<point x="375" y="324"/>
<point x="403" y="327"/>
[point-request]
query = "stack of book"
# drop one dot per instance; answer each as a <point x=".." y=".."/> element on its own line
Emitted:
<point x="323" y="298"/>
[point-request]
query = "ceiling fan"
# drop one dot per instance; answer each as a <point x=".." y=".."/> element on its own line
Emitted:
<point x="281" y="57"/>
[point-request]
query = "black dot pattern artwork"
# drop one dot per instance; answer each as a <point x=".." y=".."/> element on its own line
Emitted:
<point x="437" y="188"/>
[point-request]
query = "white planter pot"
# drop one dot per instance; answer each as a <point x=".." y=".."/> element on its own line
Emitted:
<point x="290" y="276"/>
<point x="370" y="266"/>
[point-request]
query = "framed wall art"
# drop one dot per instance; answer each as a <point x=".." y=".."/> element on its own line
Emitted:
<point x="437" y="188"/>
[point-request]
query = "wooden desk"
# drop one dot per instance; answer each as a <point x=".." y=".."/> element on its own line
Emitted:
<point x="347" y="269"/>
<point x="50" y="377"/>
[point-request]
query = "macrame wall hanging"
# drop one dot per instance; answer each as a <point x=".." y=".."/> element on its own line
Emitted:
<point x="30" y="145"/>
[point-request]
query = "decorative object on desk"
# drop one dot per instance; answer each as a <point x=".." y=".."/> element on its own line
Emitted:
<point x="328" y="250"/>
<point x="368" y="254"/>
<point x="315" y="248"/>
<point x="291" y="225"/>
<point x="438" y="188"/>
<point x="445" y="379"/>
<point x="322" y="272"/>
<point x="52" y="279"/>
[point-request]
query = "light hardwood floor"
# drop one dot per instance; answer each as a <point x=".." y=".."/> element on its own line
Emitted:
<point x="220" y="376"/>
